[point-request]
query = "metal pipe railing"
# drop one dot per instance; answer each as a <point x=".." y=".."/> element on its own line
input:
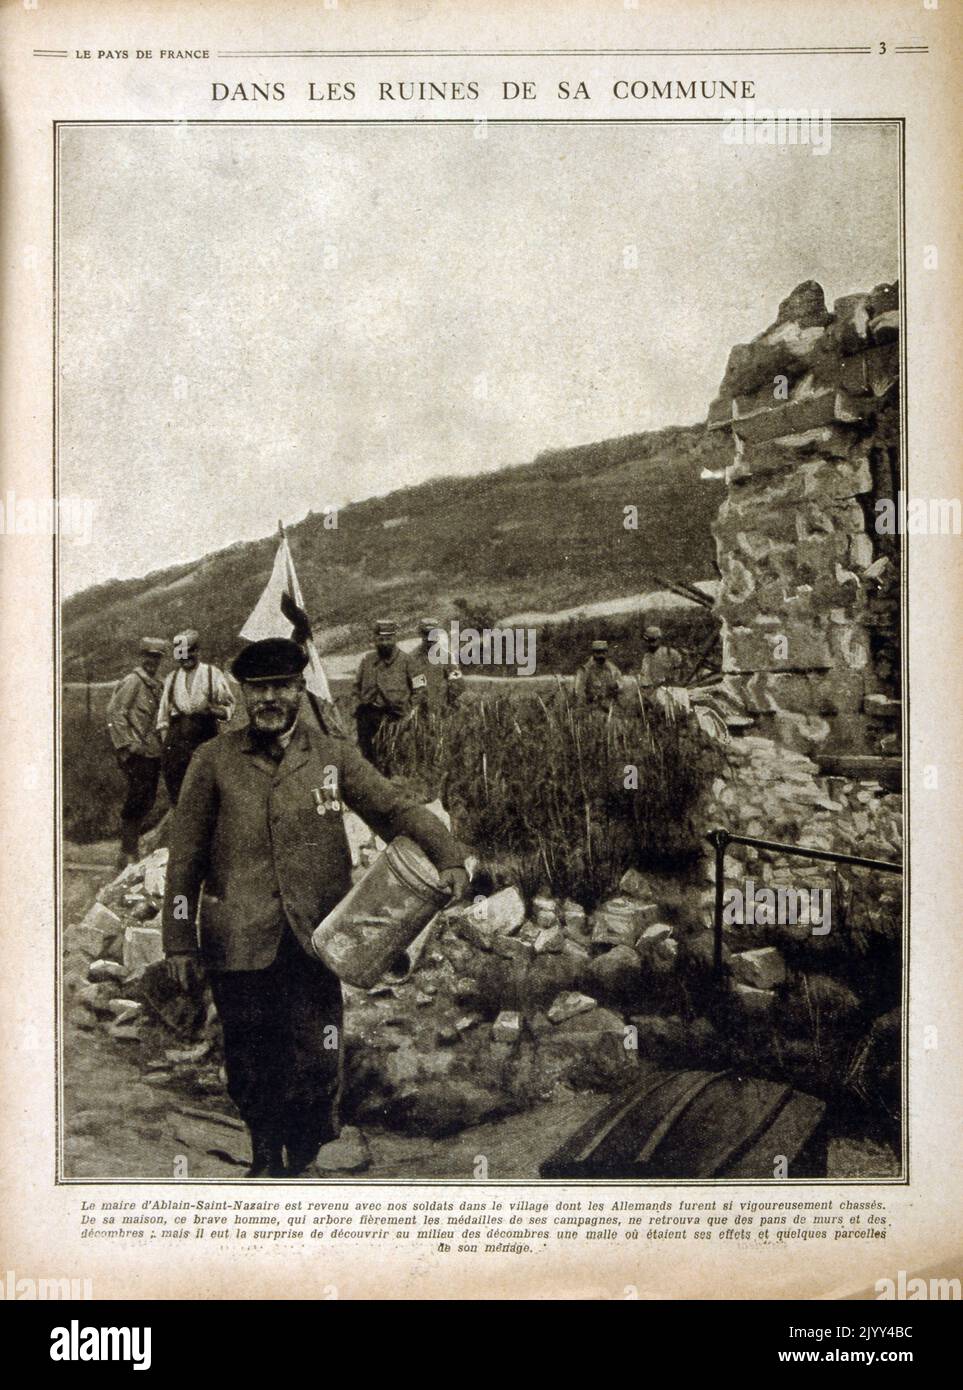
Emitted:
<point x="720" y="839"/>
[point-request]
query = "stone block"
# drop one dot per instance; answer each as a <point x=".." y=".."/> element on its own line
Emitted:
<point x="545" y="912"/>
<point x="98" y="935"/>
<point x="620" y="921"/>
<point x="502" y="912"/>
<point x="754" y="1002"/>
<point x="100" y="970"/>
<point x="507" y="1027"/>
<point x="568" y="1004"/>
<point x="762" y="968"/>
<point x="143" y="946"/>
<point x="97" y="998"/>
<point x="616" y="975"/>
<point x="549" y="939"/>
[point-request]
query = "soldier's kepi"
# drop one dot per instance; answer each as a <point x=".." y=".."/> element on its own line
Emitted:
<point x="256" y="866"/>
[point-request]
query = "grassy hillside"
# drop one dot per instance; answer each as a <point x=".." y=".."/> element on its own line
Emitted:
<point x="546" y="535"/>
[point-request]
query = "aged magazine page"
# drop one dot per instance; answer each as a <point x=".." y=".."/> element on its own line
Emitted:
<point x="481" y="594"/>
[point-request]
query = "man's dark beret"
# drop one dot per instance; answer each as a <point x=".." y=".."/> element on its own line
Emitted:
<point x="275" y="658"/>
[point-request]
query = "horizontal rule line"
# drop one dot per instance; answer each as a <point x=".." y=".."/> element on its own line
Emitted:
<point x="528" y="53"/>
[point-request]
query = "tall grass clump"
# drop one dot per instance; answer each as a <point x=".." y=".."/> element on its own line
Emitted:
<point x="558" y="795"/>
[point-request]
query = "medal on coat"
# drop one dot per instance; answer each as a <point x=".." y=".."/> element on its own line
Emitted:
<point x="325" y="802"/>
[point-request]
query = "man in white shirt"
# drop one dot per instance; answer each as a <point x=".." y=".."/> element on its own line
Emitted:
<point x="195" y="699"/>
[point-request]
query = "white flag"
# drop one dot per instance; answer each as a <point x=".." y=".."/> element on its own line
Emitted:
<point x="268" y="617"/>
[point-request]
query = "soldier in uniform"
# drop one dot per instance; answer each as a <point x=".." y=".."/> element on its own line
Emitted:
<point x="383" y="688"/>
<point x="598" y="680"/>
<point x="132" y="725"/>
<point x="661" y="665"/>
<point x="196" y="698"/>
<point x="259" y="846"/>
<point x="436" y="680"/>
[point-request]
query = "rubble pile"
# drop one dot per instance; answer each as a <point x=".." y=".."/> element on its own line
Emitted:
<point x="114" y="981"/>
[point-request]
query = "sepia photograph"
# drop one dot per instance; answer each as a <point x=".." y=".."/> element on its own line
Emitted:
<point x="481" y="675"/>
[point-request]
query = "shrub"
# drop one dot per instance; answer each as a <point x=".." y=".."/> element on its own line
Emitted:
<point x="539" y="785"/>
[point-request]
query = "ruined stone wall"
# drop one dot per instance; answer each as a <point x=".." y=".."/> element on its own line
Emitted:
<point x="809" y="599"/>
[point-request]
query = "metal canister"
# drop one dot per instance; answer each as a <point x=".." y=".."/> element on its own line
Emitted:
<point x="381" y="915"/>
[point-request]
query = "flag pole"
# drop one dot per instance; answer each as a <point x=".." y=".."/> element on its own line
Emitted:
<point x="329" y="720"/>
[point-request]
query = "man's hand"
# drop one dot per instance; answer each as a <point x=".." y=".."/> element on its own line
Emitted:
<point x="456" y="880"/>
<point x="218" y="711"/>
<point x="186" y="970"/>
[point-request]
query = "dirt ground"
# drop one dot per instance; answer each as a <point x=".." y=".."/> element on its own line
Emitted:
<point x="122" y="1120"/>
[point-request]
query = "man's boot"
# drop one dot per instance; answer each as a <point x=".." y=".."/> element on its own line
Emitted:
<point x="266" y="1157"/>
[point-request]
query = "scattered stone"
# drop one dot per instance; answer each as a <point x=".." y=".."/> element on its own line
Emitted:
<point x="569" y="1004"/>
<point x="124" y="1032"/>
<point x="143" y="946"/>
<point x="83" y="1019"/>
<point x="502" y="912"/>
<point x="467" y="1021"/>
<point x="155" y="873"/>
<point x="755" y="1002"/>
<point x="549" y="939"/>
<point x="596" y="1020"/>
<point x="575" y="949"/>
<point x="664" y="955"/>
<point x="422" y="998"/>
<point x="349" y="1153"/>
<point x="97" y="933"/>
<point x="574" y="918"/>
<point x="617" y="975"/>
<point x="465" y="990"/>
<point x="635" y="885"/>
<point x="507" y="1027"/>
<point x="545" y="912"/>
<point x="188" y="1054"/>
<point x="97" y="997"/>
<point x="762" y="968"/>
<point x="121" y="1007"/>
<point x="659" y="931"/>
<point x="101" y="970"/>
<point x="513" y="948"/>
<point x="620" y="922"/>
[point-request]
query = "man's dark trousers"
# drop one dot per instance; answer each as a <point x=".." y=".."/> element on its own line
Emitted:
<point x="142" y="775"/>
<point x="282" y="1049"/>
<point x="186" y="734"/>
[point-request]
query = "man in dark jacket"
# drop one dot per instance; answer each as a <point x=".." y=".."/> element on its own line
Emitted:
<point x="598" y="680"/>
<point x="383" y="689"/>
<point x="258" y="842"/>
